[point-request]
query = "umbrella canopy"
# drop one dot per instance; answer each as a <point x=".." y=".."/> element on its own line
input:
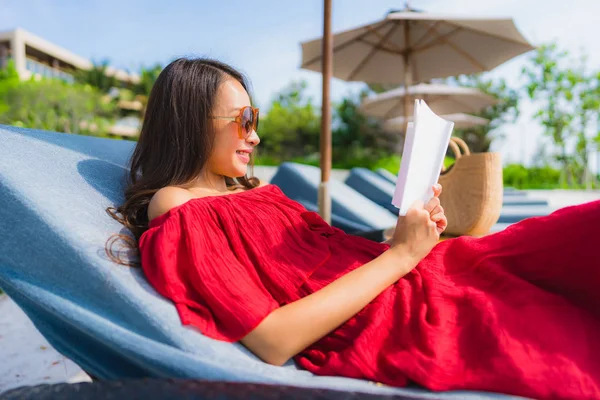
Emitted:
<point x="409" y="47"/>
<point x="403" y="48"/>
<point x="442" y="99"/>
<point x="461" y="121"/>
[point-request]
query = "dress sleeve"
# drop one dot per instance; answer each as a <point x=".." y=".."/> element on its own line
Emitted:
<point x="187" y="258"/>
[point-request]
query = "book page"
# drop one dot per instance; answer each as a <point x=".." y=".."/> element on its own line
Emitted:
<point x="422" y="158"/>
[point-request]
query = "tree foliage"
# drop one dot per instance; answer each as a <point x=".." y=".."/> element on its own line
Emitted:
<point x="291" y="126"/>
<point x="568" y="101"/>
<point x="358" y="139"/>
<point x="97" y="77"/>
<point x="505" y="111"/>
<point x="54" y="105"/>
<point x="567" y="97"/>
<point x="291" y="129"/>
<point x="148" y="77"/>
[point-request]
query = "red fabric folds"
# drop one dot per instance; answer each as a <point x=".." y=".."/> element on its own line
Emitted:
<point x="515" y="312"/>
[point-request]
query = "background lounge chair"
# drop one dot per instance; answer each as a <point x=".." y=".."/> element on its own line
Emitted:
<point x="301" y="183"/>
<point x="377" y="187"/>
<point x="512" y="196"/>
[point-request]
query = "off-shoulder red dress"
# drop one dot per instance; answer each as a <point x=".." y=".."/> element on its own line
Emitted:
<point x="515" y="312"/>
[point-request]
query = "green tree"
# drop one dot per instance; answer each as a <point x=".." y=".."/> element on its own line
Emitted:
<point x="147" y="78"/>
<point x="291" y="127"/>
<point x="9" y="72"/>
<point x="9" y="78"/>
<point x="357" y="139"/>
<point x="142" y="89"/>
<point x="97" y="77"/>
<point x="589" y="128"/>
<point x="55" y="106"/>
<point x="505" y="111"/>
<point x="568" y="100"/>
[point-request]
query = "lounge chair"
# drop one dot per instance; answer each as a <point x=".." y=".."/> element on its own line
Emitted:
<point x="387" y="175"/>
<point x="54" y="188"/>
<point x="512" y="196"/>
<point x="301" y="182"/>
<point x="380" y="190"/>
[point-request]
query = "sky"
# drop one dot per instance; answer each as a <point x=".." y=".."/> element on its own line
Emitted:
<point x="262" y="38"/>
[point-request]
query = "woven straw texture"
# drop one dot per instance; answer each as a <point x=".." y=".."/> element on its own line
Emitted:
<point x="472" y="191"/>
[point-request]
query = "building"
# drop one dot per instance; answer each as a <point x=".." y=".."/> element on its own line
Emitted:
<point x="37" y="57"/>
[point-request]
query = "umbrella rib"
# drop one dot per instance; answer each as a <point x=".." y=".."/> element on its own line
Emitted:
<point x="466" y="107"/>
<point x="398" y="104"/>
<point x="444" y="40"/>
<point x="382" y="39"/>
<point x="342" y="46"/>
<point x="459" y="28"/>
<point x="465" y="54"/>
<point x="381" y="48"/>
<point x="373" y="50"/>
<point x="431" y="99"/>
<point x="490" y="35"/>
<point x="436" y="40"/>
<point x="431" y="29"/>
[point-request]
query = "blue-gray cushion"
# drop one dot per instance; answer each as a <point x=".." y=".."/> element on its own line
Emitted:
<point x="373" y="186"/>
<point x="380" y="190"/>
<point x="301" y="183"/>
<point x="54" y="189"/>
<point x="512" y="197"/>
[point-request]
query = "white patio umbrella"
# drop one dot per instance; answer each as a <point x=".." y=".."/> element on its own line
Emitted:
<point x="461" y="121"/>
<point x="442" y="99"/>
<point x="410" y="47"/>
<point x="404" y="48"/>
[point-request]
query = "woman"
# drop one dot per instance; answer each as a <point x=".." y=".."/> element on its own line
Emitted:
<point x="516" y="312"/>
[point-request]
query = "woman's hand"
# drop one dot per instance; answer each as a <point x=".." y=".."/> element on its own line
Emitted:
<point x="437" y="212"/>
<point x="419" y="231"/>
<point x="295" y="326"/>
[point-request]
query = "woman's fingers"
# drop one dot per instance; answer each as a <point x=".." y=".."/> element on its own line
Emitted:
<point x="438" y="216"/>
<point x="432" y="204"/>
<point x="441" y="221"/>
<point x="438" y="209"/>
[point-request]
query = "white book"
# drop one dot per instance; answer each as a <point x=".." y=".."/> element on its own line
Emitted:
<point x="425" y="147"/>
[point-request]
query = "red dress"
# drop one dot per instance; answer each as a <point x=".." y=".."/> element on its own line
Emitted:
<point x="515" y="312"/>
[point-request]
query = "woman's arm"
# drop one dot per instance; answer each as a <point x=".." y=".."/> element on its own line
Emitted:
<point x="290" y="329"/>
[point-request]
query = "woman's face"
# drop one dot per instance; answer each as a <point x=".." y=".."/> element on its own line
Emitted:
<point x="230" y="155"/>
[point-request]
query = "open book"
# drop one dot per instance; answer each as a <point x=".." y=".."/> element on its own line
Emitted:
<point x="425" y="147"/>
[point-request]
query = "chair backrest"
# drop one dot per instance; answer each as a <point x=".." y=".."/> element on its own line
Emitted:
<point x="387" y="175"/>
<point x="373" y="186"/>
<point x="54" y="189"/>
<point x="301" y="183"/>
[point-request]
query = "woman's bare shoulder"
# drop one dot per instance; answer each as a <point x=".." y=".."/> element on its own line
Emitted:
<point x="166" y="199"/>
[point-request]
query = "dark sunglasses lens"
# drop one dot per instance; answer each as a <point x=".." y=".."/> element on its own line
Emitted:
<point x="256" y="122"/>
<point x="247" y="121"/>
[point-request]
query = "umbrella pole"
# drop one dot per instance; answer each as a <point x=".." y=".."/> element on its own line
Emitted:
<point x="407" y="85"/>
<point x="407" y="73"/>
<point x="327" y="68"/>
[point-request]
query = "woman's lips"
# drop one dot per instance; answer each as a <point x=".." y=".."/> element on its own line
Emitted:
<point x="243" y="155"/>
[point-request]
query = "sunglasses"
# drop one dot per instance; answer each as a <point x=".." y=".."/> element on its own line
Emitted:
<point x="247" y="121"/>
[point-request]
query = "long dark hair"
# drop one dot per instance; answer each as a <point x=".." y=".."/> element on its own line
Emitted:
<point x="175" y="142"/>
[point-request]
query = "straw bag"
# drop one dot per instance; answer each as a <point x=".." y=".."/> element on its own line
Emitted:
<point x="472" y="191"/>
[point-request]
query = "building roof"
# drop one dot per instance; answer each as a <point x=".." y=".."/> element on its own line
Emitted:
<point x="62" y="54"/>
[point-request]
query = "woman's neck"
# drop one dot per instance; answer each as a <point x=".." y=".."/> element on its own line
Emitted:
<point x="209" y="182"/>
